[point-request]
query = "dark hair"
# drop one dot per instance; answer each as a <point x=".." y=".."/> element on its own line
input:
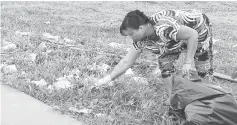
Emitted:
<point x="133" y="19"/>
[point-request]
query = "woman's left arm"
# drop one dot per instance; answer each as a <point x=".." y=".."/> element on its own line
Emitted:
<point x="191" y="36"/>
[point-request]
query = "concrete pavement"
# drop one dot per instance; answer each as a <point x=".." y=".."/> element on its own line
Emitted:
<point x="18" y="108"/>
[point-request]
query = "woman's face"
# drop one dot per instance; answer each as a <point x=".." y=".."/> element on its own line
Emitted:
<point x="135" y="34"/>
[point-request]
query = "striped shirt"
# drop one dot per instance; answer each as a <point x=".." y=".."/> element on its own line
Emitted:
<point x="167" y="24"/>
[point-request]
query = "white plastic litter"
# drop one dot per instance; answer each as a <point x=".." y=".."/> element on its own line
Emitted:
<point x="32" y="57"/>
<point x="40" y="83"/>
<point x="49" y="36"/>
<point x="2" y="66"/>
<point x="19" y="33"/>
<point x="10" y="46"/>
<point x="84" y="111"/>
<point x="234" y="45"/>
<point x="67" y="40"/>
<point x="4" y="43"/>
<point x="128" y="49"/>
<point x="129" y="72"/>
<point x="43" y="46"/>
<point x="10" y="69"/>
<point x="157" y="72"/>
<point x="47" y="22"/>
<point x="116" y="45"/>
<point x="62" y="84"/>
<point x="103" y="67"/>
<point x="140" y="80"/>
<point x="215" y="52"/>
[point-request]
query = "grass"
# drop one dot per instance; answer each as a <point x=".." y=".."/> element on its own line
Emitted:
<point x="93" y="25"/>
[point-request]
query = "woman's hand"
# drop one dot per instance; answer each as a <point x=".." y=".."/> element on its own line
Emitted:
<point x="104" y="80"/>
<point x="186" y="68"/>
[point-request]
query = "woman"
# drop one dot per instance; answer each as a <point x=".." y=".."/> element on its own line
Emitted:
<point x="168" y="33"/>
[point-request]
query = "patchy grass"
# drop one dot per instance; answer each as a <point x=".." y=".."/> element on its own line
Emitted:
<point x="93" y="25"/>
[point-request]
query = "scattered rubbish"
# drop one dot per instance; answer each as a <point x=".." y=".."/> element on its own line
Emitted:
<point x="2" y="66"/>
<point x="215" y="40"/>
<point x="128" y="49"/>
<point x="101" y="115"/>
<point x="23" y="72"/>
<point x="89" y="80"/>
<point x="215" y="52"/>
<point x="84" y="111"/>
<point x="73" y="109"/>
<point x="103" y="67"/>
<point x="49" y="36"/>
<point x="40" y="83"/>
<point x="140" y="80"/>
<point x="48" y="51"/>
<point x="50" y="88"/>
<point x="43" y="46"/>
<point x="32" y="57"/>
<point x="62" y="84"/>
<point x="67" y="40"/>
<point x="8" y="47"/>
<point x="10" y="69"/>
<point x="4" y="43"/>
<point x="129" y="72"/>
<point x="117" y="45"/>
<point x="157" y="72"/>
<point x="234" y="45"/>
<point x="47" y="22"/>
<point x="19" y="33"/>
<point x="76" y="73"/>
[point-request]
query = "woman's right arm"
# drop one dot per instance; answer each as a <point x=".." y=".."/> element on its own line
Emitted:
<point x="125" y="63"/>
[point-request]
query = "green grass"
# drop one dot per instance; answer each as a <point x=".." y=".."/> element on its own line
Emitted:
<point x="93" y="25"/>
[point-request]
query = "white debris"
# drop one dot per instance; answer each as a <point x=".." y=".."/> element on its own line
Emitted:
<point x="111" y="83"/>
<point x="40" y="83"/>
<point x="72" y="109"/>
<point x="116" y="45"/>
<point x="19" y="33"/>
<point x="234" y="45"/>
<point x="32" y="57"/>
<point x="47" y="22"/>
<point x="140" y="80"/>
<point x="2" y="66"/>
<point x="4" y="43"/>
<point x="62" y="84"/>
<point x="23" y="72"/>
<point x="43" y="46"/>
<point x="215" y="52"/>
<point x="67" y="40"/>
<point x="129" y="72"/>
<point x="89" y="79"/>
<point x="62" y="78"/>
<point x="50" y="88"/>
<point x="10" y="46"/>
<point x="103" y="67"/>
<point x="49" y="36"/>
<point x="101" y="115"/>
<point x="216" y="40"/>
<point x="157" y="71"/>
<point x="75" y="73"/>
<point x="85" y="111"/>
<point x="10" y="69"/>
<point x="128" y="49"/>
